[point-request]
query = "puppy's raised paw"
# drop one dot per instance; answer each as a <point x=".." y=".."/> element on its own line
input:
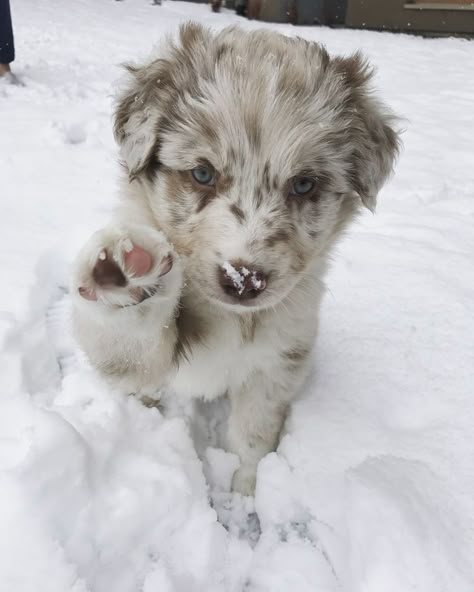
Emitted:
<point x="121" y="267"/>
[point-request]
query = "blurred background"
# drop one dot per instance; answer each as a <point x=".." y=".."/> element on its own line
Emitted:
<point x="438" y="17"/>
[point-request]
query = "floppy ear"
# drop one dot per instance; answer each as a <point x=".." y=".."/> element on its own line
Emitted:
<point x="137" y="116"/>
<point x="151" y="94"/>
<point x="375" y="143"/>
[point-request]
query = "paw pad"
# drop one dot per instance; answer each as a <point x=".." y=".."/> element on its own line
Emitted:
<point x="107" y="273"/>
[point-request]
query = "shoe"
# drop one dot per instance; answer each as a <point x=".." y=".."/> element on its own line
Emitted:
<point x="10" y="78"/>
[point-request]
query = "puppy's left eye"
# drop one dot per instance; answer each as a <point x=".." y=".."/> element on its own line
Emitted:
<point x="301" y="185"/>
<point x="204" y="175"/>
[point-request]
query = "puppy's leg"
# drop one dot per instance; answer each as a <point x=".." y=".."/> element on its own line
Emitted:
<point x="259" y="409"/>
<point x="126" y="287"/>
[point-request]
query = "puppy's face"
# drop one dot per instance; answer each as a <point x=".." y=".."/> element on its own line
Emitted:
<point x="254" y="151"/>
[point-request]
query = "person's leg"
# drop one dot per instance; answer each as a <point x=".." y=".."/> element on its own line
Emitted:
<point x="7" y="48"/>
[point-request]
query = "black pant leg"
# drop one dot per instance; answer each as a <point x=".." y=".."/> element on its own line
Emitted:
<point x="7" y="47"/>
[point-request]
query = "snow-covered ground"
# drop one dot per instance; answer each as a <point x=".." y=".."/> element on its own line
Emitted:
<point x="372" y="486"/>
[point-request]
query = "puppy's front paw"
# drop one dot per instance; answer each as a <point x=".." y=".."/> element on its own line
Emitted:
<point x="244" y="480"/>
<point x="124" y="266"/>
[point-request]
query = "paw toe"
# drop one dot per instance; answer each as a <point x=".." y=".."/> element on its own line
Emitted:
<point x="87" y="293"/>
<point x="138" y="261"/>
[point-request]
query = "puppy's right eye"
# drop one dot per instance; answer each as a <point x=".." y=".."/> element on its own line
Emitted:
<point x="204" y="175"/>
<point x="301" y="185"/>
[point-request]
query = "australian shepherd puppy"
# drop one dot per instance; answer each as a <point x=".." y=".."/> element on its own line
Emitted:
<point x="247" y="155"/>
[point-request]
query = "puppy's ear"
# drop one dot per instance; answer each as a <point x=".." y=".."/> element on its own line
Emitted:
<point x="151" y="94"/>
<point x="137" y="115"/>
<point x="375" y="142"/>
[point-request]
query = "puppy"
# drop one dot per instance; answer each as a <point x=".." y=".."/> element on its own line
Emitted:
<point x="247" y="155"/>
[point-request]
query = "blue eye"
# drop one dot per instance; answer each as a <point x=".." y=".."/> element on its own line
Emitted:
<point x="301" y="185"/>
<point x="203" y="175"/>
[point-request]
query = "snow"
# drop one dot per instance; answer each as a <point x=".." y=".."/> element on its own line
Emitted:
<point x="237" y="277"/>
<point x="372" y="486"/>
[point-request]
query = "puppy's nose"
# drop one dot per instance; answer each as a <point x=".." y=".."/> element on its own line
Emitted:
<point x="241" y="281"/>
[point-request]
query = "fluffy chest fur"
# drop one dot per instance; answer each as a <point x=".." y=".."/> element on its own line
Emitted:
<point x="218" y="350"/>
